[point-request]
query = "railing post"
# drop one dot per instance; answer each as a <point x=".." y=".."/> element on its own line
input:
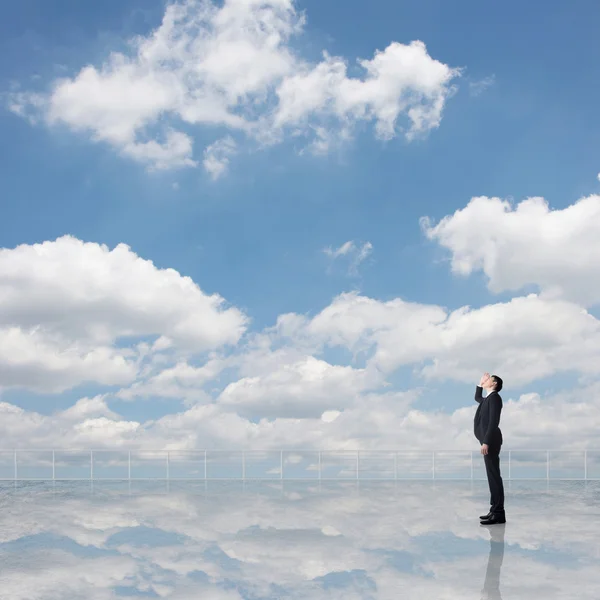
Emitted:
<point x="319" y="465"/>
<point x="585" y="464"/>
<point x="281" y="466"/>
<point x="433" y="465"/>
<point x="53" y="467"/>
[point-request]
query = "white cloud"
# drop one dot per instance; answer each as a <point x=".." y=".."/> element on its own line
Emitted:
<point x="381" y="96"/>
<point x="181" y="381"/>
<point x="173" y="153"/>
<point x="299" y="390"/>
<point x="357" y="254"/>
<point x="526" y="339"/>
<point x="89" y="423"/>
<point x="556" y="250"/>
<point x="233" y="66"/>
<point x="216" y="156"/>
<point x="370" y="420"/>
<point x="72" y="312"/>
<point x="28" y="105"/>
<point x="476" y="88"/>
<point x="330" y="415"/>
<point x="89" y="408"/>
<point x="341" y="251"/>
<point x="40" y="360"/>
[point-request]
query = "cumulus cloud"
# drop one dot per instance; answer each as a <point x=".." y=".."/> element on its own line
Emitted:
<point x="530" y="244"/>
<point x="89" y="422"/>
<point x="371" y="420"/>
<point x="173" y="152"/>
<point x="86" y="408"/>
<point x="299" y="390"/>
<point x="42" y="361"/>
<point x="381" y="97"/>
<point x="232" y="66"/>
<point x="526" y="339"/>
<point x="217" y="155"/>
<point x="355" y="253"/>
<point x="73" y="311"/>
<point x="181" y="381"/>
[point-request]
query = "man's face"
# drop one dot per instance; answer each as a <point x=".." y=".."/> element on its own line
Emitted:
<point x="490" y="384"/>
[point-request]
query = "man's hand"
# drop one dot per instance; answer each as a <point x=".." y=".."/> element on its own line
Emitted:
<point x="483" y="379"/>
<point x="484" y="448"/>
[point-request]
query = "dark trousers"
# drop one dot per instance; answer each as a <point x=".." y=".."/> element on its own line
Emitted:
<point x="492" y="467"/>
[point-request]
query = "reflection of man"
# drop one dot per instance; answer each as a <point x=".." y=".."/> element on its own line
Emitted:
<point x="491" y="586"/>
<point x="487" y="431"/>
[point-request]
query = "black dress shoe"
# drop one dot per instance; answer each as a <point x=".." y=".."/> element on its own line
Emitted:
<point x="493" y="520"/>
<point x="486" y="516"/>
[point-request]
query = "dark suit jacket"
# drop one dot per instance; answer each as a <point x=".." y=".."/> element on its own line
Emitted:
<point x="487" y="418"/>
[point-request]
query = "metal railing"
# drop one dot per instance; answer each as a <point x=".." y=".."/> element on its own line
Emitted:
<point x="116" y="465"/>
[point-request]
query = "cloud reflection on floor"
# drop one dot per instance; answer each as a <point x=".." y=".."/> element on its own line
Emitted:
<point x="232" y="541"/>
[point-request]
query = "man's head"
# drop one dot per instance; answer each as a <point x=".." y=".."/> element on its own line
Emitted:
<point x="493" y="384"/>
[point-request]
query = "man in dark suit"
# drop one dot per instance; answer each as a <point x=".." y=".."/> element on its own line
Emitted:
<point x="487" y="431"/>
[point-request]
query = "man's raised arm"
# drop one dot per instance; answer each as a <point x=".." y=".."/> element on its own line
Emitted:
<point x="478" y="394"/>
<point x="479" y="388"/>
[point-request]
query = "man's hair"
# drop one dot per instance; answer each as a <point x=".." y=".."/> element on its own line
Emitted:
<point x="498" y="381"/>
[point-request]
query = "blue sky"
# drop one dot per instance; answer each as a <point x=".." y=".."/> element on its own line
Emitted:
<point x="522" y="122"/>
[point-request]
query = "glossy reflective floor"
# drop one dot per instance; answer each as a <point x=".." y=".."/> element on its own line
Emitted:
<point x="349" y="541"/>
